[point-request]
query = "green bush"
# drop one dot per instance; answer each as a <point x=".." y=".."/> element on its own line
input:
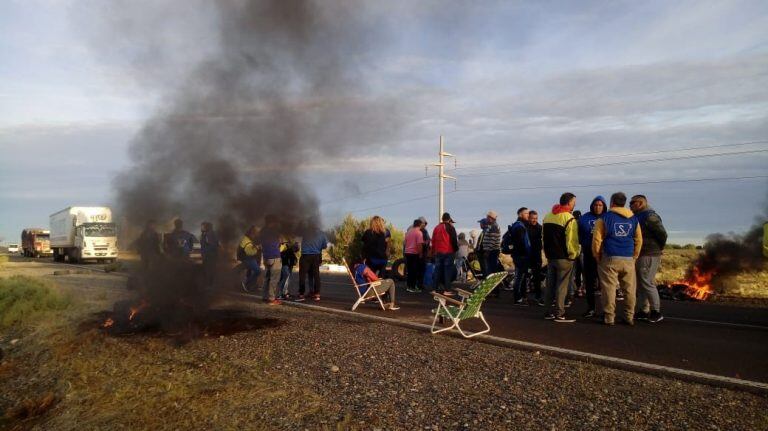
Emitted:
<point x="347" y="242"/>
<point x="24" y="299"/>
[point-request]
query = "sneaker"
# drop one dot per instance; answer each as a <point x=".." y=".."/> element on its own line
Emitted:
<point x="549" y="316"/>
<point x="300" y="298"/>
<point x="411" y="290"/>
<point x="508" y="287"/>
<point x="540" y="303"/>
<point x="447" y="293"/>
<point x="393" y="307"/>
<point x="655" y="317"/>
<point x="568" y="303"/>
<point x="315" y="297"/>
<point x="589" y="314"/>
<point x="641" y="315"/>
<point x="563" y="319"/>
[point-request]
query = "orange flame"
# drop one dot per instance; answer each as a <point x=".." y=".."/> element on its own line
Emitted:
<point x="108" y="323"/>
<point x="137" y="309"/>
<point x="698" y="283"/>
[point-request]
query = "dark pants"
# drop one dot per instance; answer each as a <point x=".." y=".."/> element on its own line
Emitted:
<point x="480" y="256"/>
<point x="578" y="271"/>
<point x="444" y="270"/>
<point x="491" y="262"/>
<point x="536" y="277"/>
<point x="309" y="265"/>
<point x="253" y="269"/>
<point x="378" y="266"/>
<point x="590" y="280"/>
<point x="209" y="271"/>
<point x="414" y="265"/>
<point x="521" y="271"/>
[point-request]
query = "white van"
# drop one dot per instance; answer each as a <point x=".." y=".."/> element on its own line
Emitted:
<point x="13" y="248"/>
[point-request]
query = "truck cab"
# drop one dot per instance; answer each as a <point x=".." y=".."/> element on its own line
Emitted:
<point x="96" y="241"/>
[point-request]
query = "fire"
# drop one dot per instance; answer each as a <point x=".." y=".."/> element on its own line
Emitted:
<point x="107" y="323"/>
<point x="137" y="309"/>
<point x="698" y="283"/>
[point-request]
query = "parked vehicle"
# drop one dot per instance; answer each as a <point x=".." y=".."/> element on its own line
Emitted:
<point x="35" y="242"/>
<point x="81" y="234"/>
<point x="13" y="248"/>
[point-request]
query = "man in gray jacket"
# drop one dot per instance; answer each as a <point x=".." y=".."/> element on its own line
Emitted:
<point x="646" y="266"/>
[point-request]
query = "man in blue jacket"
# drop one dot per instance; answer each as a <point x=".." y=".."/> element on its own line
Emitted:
<point x="616" y="243"/>
<point x="586" y="225"/>
<point x="313" y="242"/>
<point x="517" y="243"/>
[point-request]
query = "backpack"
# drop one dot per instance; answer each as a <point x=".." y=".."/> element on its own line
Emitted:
<point x="506" y="242"/>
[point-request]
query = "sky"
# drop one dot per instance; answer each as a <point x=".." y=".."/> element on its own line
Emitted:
<point x="533" y="99"/>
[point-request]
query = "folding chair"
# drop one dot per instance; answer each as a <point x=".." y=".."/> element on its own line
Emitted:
<point x="467" y="308"/>
<point x="365" y="291"/>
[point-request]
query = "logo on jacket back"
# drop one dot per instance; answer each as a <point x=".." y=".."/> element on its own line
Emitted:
<point x="592" y="226"/>
<point x="622" y="229"/>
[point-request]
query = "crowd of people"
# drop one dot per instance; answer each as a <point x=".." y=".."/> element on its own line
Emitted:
<point x="611" y="252"/>
<point x="615" y="250"/>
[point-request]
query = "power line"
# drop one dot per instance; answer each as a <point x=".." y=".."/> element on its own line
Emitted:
<point x="396" y="203"/>
<point x="379" y="189"/>
<point x="606" y="156"/>
<point x="626" y="162"/>
<point x="573" y="186"/>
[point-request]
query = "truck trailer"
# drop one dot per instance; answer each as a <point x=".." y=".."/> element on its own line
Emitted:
<point x="80" y="234"/>
<point x="35" y="242"/>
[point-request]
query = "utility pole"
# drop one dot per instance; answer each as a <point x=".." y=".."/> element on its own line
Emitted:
<point x="440" y="179"/>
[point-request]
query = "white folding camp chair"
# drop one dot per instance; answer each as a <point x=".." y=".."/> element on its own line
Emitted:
<point x="468" y="308"/>
<point x="368" y="289"/>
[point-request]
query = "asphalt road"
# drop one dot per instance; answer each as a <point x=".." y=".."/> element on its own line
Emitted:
<point x="712" y="338"/>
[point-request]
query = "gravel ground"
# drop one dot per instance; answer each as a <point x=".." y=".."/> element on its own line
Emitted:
<point x="311" y="370"/>
<point x="318" y="370"/>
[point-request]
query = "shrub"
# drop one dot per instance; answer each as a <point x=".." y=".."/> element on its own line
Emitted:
<point x="24" y="299"/>
<point x="347" y="242"/>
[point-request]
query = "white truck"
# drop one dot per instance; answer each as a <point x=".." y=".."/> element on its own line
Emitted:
<point x="81" y="234"/>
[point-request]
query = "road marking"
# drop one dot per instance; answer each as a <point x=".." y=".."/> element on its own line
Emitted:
<point x="610" y="361"/>
<point x="715" y="322"/>
<point x="681" y="319"/>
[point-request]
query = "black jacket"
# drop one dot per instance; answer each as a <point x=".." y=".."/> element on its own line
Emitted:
<point x="535" y="236"/>
<point x="654" y="234"/>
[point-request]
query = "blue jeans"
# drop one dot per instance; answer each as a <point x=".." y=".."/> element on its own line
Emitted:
<point x="253" y="269"/>
<point x="521" y="272"/>
<point x="444" y="270"/>
<point x="285" y="274"/>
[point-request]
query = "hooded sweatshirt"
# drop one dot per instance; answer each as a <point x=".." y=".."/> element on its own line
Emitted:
<point x="561" y="234"/>
<point x="587" y="224"/>
<point x="617" y="234"/>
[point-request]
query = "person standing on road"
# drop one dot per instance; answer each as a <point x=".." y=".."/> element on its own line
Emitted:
<point x="492" y="247"/>
<point x="616" y="243"/>
<point x="209" y="251"/>
<point x="561" y="246"/>
<point x="179" y="243"/>
<point x="414" y="252"/>
<point x="461" y="258"/>
<point x="479" y="252"/>
<point x="445" y="244"/>
<point x="654" y="240"/>
<point x="534" y="236"/>
<point x="270" y="248"/>
<point x="248" y="255"/>
<point x="288" y="259"/>
<point x="148" y="245"/>
<point x="426" y="247"/>
<point x="586" y="226"/>
<point x="517" y="243"/>
<point x="376" y="245"/>
<point x="313" y="242"/>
